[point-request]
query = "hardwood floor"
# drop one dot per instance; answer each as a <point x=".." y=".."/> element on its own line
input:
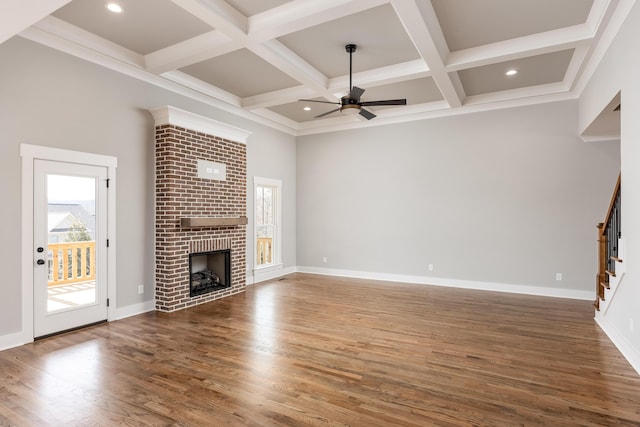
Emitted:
<point x="326" y="351"/>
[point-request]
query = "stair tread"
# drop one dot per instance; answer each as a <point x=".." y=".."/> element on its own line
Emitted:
<point x="605" y="285"/>
<point x="615" y="258"/>
<point x="611" y="273"/>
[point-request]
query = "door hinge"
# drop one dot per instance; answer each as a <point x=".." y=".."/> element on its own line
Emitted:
<point x="107" y="242"/>
<point x="108" y="179"/>
<point x="107" y="302"/>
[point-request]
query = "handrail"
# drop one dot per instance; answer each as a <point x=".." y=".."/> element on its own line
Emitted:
<point x="609" y="232"/>
<point x="71" y="262"/>
<point x="612" y="203"/>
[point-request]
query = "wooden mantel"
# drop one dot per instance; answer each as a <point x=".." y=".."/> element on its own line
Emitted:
<point x="213" y="221"/>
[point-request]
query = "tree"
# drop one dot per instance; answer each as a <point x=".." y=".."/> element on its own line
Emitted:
<point x="78" y="232"/>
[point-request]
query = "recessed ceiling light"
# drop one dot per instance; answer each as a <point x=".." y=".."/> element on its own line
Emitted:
<point x="114" y="7"/>
<point x="307" y="108"/>
<point x="511" y="72"/>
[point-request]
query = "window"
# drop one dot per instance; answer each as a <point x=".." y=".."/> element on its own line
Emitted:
<point x="267" y="222"/>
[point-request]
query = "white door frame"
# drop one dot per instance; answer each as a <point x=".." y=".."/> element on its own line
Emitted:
<point x="29" y="153"/>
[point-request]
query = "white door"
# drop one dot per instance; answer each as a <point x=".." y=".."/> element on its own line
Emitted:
<point x="70" y="256"/>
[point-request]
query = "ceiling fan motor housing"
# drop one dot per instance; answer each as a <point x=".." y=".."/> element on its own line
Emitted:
<point x="347" y="100"/>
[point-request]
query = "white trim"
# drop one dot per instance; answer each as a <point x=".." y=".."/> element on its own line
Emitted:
<point x="12" y="340"/>
<point x="622" y="344"/>
<point x="454" y="283"/>
<point x="169" y="115"/>
<point x="29" y="153"/>
<point x="270" y="272"/>
<point x="277" y="241"/>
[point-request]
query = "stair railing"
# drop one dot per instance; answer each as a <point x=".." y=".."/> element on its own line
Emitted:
<point x="609" y="232"/>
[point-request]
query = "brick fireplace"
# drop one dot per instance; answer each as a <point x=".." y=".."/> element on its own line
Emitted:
<point x="200" y="197"/>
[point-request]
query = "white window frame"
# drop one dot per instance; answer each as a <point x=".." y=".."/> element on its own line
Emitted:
<point x="276" y="263"/>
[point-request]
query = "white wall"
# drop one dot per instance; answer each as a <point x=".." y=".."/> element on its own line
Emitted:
<point x="52" y="99"/>
<point x="501" y="200"/>
<point x="620" y="71"/>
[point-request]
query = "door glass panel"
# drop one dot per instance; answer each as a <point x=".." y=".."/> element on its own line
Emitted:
<point x="71" y="245"/>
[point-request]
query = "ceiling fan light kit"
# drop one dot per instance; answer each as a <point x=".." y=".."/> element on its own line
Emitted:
<point x="350" y="104"/>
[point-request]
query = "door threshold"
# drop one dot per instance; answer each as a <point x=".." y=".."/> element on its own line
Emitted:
<point x="53" y="334"/>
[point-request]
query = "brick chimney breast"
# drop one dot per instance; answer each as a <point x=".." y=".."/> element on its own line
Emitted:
<point x="182" y="139"/>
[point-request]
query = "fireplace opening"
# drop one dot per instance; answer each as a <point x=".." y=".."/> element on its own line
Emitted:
<point x="209" y="271"/>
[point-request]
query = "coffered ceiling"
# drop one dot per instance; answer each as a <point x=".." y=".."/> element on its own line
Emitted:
<point x="256" y="58"/>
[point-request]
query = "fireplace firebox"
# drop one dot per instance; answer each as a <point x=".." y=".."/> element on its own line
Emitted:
<point x="209" y="271"/>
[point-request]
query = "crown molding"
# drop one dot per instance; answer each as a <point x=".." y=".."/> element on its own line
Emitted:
<point x="169" y="115"/>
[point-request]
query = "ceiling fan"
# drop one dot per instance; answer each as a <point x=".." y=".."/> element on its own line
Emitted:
<point x="351" y="104"/>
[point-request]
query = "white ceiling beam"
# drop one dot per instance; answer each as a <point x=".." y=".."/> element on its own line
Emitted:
<point x="336" y="86"/>
<point x="232" y="29"/>
<point x="376" y="77"/>
<point x="17" y="15"/>
<point x="54" y="32"/>
<point x="217" y="13"/>
<point x="300" y="14"/>
<point x="275" y="117"/>
<point x="518" y="95"/>
<point x="278" y="97"/>
<point x="521" y="47"/>
<point x="381" y="76"/>
<point x="289" y="63"/>
<point x="199" y="48"/>
<point x="421" y="23"/>
<point x="576" y="65"/>
<point x="203" y="87"/>
<point x="617" y="15"/>
<point x="599" y="13"/>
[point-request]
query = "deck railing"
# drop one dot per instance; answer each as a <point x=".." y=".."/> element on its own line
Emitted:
<point x="265" y="250"/>
<point x="71" y="262"/>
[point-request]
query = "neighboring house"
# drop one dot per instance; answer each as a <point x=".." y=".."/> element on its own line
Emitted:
<point x="59" y="224"/>
<point x="65" y="212"/>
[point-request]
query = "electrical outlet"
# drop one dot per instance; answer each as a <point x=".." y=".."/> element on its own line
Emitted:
<point x="324" y="259"/>
<point x="558" y="276"/>
<point x="141" y="289"/>
<point x="430" y="267"/>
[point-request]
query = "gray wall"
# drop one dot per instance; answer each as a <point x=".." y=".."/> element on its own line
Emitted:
<point x="619" y="72"/>
<point x="272" y="156"/>
<point x="508" y="197"/>
<point x="52" y="99"/>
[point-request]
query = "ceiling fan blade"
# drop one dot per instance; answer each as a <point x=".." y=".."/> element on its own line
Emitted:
<point x="356" y="93"/>
<point x="366" y="114"/>
<point x="385" y="102"/>
<point x="327" y="113"/>
<point x="323" y="102"/>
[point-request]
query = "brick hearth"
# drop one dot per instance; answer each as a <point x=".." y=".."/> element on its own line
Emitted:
<point x="180" y="193"/>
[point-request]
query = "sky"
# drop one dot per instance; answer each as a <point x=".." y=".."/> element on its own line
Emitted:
<point x="62" y="188"/>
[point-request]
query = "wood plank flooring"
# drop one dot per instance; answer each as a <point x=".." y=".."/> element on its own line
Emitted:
<point x="326" y="351"/>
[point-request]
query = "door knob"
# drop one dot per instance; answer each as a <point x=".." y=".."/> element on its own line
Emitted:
<point x="40" y="262"/>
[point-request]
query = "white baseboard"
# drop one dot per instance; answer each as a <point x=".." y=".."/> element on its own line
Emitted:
<point x="13" y="340"/>
<point x="268" y="274"/>
<point x="618" y="339"/>
<point x="455" y="283"/>
<point x="133" y="309"/>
